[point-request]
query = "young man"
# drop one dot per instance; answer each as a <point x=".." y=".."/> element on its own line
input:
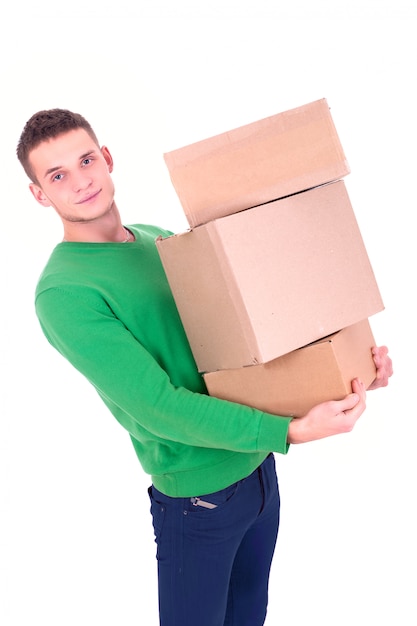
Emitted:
<point x="104" y="303"/>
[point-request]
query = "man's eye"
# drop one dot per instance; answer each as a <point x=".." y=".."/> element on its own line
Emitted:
<point x="58" y="177"/>
<point x="86" y="161"/>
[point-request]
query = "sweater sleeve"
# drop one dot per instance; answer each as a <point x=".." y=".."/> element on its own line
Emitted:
<point x="138" y="391"/>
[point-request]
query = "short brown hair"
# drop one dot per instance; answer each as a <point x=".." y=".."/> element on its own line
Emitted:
<point x="46" y="125"/>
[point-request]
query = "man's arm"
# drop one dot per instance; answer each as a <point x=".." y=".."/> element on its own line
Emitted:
<point x="135" y="387"/>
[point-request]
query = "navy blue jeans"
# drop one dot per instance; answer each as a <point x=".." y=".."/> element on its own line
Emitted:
<point x="214" y="552"/>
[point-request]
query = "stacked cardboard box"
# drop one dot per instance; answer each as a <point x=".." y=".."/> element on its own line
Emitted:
<point x="266" y="160"/>
<point x="272" y="281"/>
<point x="295" y="382"/>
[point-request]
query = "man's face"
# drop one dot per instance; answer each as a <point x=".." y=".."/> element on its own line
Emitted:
<point x="74" y="176"/>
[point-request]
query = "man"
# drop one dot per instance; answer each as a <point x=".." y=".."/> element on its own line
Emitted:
<point x="104" y="303"/>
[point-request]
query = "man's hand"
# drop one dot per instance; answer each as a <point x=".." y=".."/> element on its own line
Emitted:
<point x="329" y="418"/>
<point x="340" y="416"/>
<point x="383" y="366"/>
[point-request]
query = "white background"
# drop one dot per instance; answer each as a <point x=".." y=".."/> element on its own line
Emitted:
<point x="76" y="545"/>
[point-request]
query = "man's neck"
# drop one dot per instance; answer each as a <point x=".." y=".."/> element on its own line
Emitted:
<point x="106" y="229"/>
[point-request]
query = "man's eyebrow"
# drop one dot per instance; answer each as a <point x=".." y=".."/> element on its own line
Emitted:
<point x="51" y="170"/>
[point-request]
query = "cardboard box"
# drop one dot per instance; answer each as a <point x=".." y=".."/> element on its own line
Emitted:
<point x="263" y="161"/>
<point x="255" y="285"/>
<point x="294" y="383"/>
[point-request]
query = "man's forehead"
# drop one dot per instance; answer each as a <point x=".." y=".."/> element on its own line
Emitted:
<point x="67" y="140"/>
<point x="56" y="151"/>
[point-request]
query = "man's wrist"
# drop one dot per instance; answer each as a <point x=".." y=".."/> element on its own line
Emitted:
<point x="296" y="431"/>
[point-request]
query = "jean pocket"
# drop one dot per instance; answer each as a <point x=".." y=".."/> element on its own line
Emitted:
<point x="215" y="501"/>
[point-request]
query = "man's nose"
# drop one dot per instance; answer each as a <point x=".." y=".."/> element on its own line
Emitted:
<point x="81" y="181"/>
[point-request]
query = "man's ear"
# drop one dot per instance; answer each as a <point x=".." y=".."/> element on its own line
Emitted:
<point x="39" y="195"/>
<point x="107" y="157"/>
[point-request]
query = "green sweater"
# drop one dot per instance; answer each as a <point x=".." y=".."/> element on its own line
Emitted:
<point x="108" y="309"/>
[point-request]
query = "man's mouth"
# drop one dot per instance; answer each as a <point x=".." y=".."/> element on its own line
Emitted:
<point x="90" y="197"/>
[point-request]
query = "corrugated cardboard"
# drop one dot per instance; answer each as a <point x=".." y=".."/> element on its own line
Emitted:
<point x="255" y="285"/>
<point x="292" y="384"/>
<point x="263" y="161"/>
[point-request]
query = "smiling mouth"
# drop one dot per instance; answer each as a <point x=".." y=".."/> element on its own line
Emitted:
<point x="88" y="198"/>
